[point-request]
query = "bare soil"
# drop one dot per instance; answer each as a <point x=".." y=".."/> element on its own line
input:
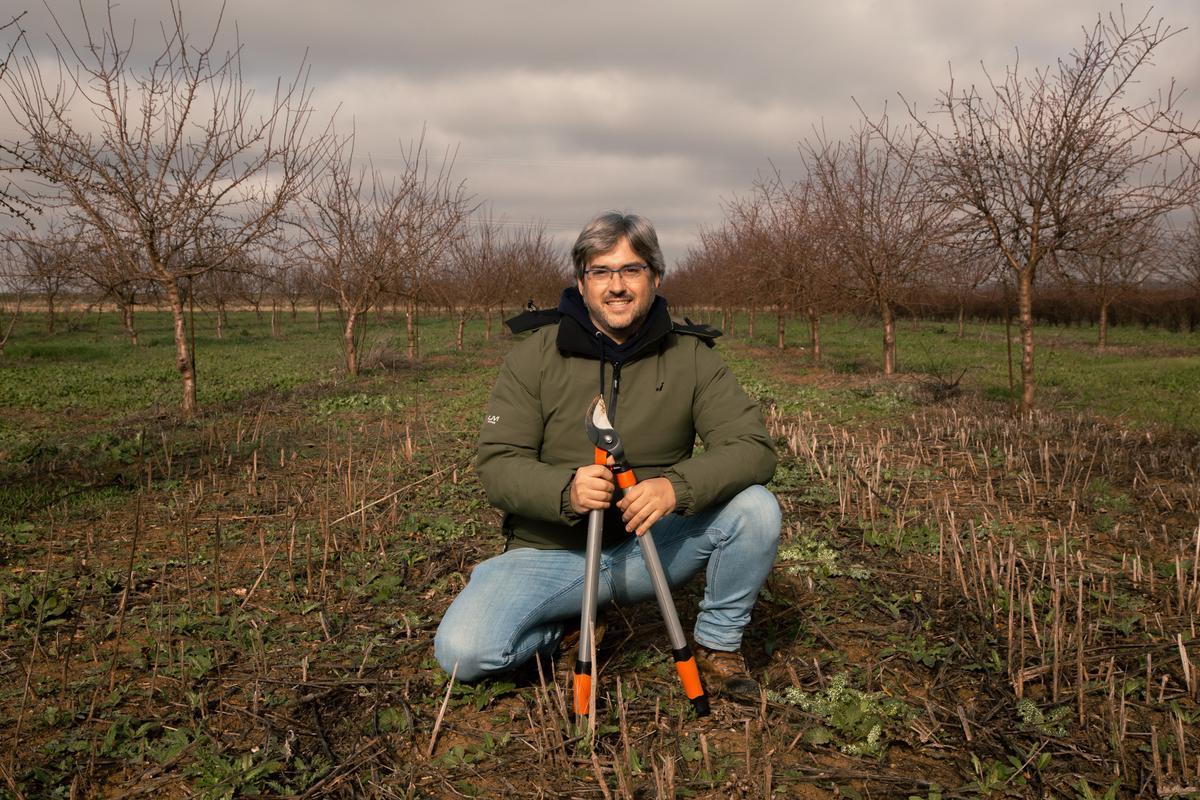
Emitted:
<point x="253" y="614"/>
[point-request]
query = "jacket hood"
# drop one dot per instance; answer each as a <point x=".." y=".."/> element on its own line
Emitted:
<point x="578" y="335"/>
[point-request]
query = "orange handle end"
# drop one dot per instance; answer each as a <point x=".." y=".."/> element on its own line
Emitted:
<point x="690" y="676"/>
<point x="583" y="694"/>
<point x="601" y="456"/>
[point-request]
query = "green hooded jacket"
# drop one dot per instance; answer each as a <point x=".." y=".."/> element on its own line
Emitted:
<point x="666" y="386"/>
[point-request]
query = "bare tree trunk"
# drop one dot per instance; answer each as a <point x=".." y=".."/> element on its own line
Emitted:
<point x="814" y="335"/>
<point x="319" y="313"/>
<point x="12" y="323"/>
<point x="1012" y="387"/>
<point x="183" y="356"/>
<point x="410" y="325"/>
<point x="293" y="304"/>
<point x="49" y="312"/>
<point x="274" y="320"/>
<point x="348" y="343"/>
<point x="127" y="321"/>
<point x="1102" y="342"/>
<point x="780" y="327"/>
<point x="888" y="315"/>
<point x="1025" y="313"/>
<point x="750" y="323"/>
<point x="962" y="313"/>
<point x="221" y="320"/>
<point x="462" y="324"/>
<point x="487" y="331"/>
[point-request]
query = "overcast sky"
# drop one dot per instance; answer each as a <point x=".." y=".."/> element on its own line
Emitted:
<point x="559" y="109"/>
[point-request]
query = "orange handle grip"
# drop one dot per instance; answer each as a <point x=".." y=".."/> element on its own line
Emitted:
<point x="689" y="676"/>
<point x="583" y="694"/>
<point x="626" y="479"/>
<point x="601" y="456"/>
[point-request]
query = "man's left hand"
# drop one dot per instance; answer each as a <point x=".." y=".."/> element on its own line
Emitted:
<point x="646" y="503"/>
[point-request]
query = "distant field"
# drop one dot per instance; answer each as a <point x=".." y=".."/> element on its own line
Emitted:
<point x="1146" y="377"/>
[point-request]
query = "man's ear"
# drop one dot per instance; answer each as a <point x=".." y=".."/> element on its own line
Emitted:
<point x="579" y="284"/>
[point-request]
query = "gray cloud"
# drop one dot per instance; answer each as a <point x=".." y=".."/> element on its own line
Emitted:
<point x="559" y="109"/>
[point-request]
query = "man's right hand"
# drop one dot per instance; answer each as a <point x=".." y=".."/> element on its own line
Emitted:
<point x="591" y="488"/>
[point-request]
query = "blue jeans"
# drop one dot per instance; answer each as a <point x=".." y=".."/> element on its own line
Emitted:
<point x="516" y="603"/>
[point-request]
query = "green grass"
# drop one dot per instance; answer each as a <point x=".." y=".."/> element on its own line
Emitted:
<point x="55" y="383"/>
<point x="93" y="372"/>
<point x="1146" y="377"/>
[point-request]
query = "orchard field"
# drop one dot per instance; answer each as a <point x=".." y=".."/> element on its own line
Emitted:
<point x="966" y="603"/>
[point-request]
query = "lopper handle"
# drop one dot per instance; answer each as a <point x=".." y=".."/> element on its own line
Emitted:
<point x="587" y="617"/>
<point x="582" y="690"/>
<point x="685" y="662"/>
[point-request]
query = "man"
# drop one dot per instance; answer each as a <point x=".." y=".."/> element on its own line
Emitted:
<point x="663" y="385"/>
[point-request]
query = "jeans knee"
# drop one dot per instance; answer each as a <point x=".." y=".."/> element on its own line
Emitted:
<point x="459" y="654"/>
<point x="758" y="516"/>
<point x="759" y="508"/>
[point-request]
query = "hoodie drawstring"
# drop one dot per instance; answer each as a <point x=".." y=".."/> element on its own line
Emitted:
<point x="611" y="404"/>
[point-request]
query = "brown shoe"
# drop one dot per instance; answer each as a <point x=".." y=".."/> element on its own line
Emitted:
<point x="570" y="640"/>
<point x="725" y="673"/>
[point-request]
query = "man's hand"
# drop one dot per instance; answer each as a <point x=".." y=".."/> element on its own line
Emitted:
<point x="591" y="488"/>
<point x="646" y="503"/>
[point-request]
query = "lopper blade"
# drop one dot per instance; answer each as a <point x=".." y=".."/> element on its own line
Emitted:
<point x="600" y="430"/>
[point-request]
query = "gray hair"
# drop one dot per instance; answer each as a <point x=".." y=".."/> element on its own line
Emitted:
<point x="605" y="230"/>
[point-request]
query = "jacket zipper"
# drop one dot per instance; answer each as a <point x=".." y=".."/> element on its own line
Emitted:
<point x="616" y="386"/>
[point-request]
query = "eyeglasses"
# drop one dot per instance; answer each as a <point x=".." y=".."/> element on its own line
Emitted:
<point x="629" y="272"/>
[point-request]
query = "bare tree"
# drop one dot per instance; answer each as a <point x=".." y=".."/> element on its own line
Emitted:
<point x="12" y="203"/>
<point x="808" y="252"/>
<point x="960" y="264"/>
<point x="50" y="267"/>
<point x="105" y="270"/>
<point x="702" y="267"/>
<point x="291" y="278"/>
<point x="474" y="272"/>
<point x="1185" y="253"/>
<point x="1116" y="269"/>
<point x="753" y="263"/>
<point x="881" y="221"/>
<point x="1041" y="163"/>
<point x="13" y="286"/>
<point x="368" y="234"/>
<point x="161" y="161"/>
<point x="434" y="208"/>
<point x="749" y="268"/>
<point x="251" y="281"/>
<point x="216" y="289"/>
<point x="533" y="268"/>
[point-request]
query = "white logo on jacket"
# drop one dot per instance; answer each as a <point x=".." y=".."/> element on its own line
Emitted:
<point x="493" y="419"/>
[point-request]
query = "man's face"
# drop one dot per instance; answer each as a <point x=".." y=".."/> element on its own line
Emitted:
<point x="617" y="304"/>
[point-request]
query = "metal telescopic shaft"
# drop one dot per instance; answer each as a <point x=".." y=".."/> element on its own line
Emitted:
<point x="662" y="591"/>
<point x="685" y="661"/>
<point x="587" y="617"/>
